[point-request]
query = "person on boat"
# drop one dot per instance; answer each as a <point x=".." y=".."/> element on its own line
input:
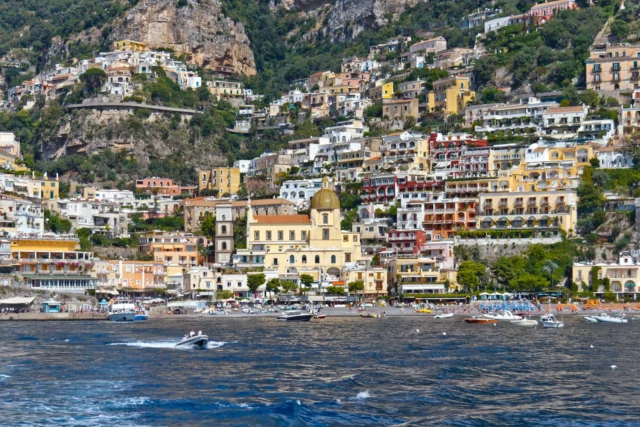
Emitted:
<point x="199" y="333"/>
<point x="192" y="333"/>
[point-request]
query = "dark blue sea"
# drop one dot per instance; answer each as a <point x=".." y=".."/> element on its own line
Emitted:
<point x="333" y="372"/>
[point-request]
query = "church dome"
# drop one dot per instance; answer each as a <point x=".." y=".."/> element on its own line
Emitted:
<point x="326" y="198"/>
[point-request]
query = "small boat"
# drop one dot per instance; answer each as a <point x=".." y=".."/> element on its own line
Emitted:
<point x="482" y="320"/>
<point x="550" y="321"/>
<point x="504" y="315"/>
<point x="319" y="316"/>
<point x="369" y="315"/>
<point x="605" y="318"/>
<point x="295" y="316"/>
<point x="590" y="319"/>
<point x="525" y="322"/>
<point x="142" y="316"/>
<point x="199" y="341"/>
<point x="423" y="310"/>
<point x="122" y="311"/>
<point x="443" y="316"/>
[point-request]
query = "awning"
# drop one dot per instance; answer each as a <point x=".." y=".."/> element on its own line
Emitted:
<point x="17" y="301"/>
<point x="443" y="165"/>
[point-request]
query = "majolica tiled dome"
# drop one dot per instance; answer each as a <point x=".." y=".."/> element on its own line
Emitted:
<point x="326" y="198"/>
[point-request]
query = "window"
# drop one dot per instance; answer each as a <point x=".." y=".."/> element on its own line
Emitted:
<point x="280" y="235"/>
<point x="268" y="235"/>
<point x="325" y="218"/>
<point x="345" y="238"/>
<point x="292" y="235"/>
<point x="292" y="259"/>
<point x="333" y="259"/>
<point x="317" y="260"/>
<point x="325" y="234"/>
<point x="224" y="229"/>
<point x="347" y="257"/>
<point x="303" y="235"/>
<point x="275" y="261"/>
<point x="304" y="259"/>
<point x="355" y="238"/>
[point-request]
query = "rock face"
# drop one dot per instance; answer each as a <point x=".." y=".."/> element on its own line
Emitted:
<point x="199" y="30"/>
<point x="360" y="14"/>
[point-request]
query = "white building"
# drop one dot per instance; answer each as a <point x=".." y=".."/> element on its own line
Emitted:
<point x="613" y="158"/>
<point x="300" y="191"/>
<point x="243" y="165"/>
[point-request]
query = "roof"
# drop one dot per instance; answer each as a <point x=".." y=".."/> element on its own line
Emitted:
<point x="202" y="201"/>
<point x="282" y="219"/>
<point x="325" y="198"/>
<point x="373" y="159"/>
<point x="541" y="5"/>
<point x="399" y="101"/>
<point x="559" y="110"/>
<point x="17" y="301"/>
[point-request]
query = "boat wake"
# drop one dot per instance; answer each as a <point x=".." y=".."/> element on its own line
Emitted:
<point x="362" y="396"/>
<point x="165" y="344"/>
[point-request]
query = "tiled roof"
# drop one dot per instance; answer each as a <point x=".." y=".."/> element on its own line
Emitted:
<point x="282" y="219"/>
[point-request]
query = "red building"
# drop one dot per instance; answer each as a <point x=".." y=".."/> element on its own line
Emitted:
<point x="442" y="218"/>
<point x="161" y="186"/>
<point x="445" y="150"/>
<point x="406" y="240"/>
<point x="384" y="188"/>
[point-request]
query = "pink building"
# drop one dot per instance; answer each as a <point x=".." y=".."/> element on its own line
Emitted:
<point x="541" y="13"/>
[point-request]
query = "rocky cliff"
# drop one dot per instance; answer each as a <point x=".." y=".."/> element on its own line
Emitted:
<point x="197" y="29"/>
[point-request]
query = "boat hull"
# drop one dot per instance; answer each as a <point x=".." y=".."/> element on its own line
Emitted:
<point x="443" y="316"/>
<point x="199" y="341"/>
<point x="481" y="321"/>
<point x="553" y="324"/>
<point x="142" y="317"/>
<point x="524" y="322"/>
<point x="121" y="317"/>
<point x="296" y="318"/>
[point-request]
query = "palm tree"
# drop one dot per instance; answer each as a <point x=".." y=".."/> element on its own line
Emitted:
<point x="549" y="268"/>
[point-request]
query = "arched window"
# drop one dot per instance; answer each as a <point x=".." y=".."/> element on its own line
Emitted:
<point x="317" y="259"/>
<point x="224" y="217"/>
<point x="224" y="246"/>
<point x="325" y="218"/>
<point x="333" y="259"/>
<point x="304" y="259"/>
<point x="224" y="229"/>
<point x="292" y="259"/>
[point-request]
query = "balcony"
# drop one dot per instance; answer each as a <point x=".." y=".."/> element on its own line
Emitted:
<point x="531" y="203"/>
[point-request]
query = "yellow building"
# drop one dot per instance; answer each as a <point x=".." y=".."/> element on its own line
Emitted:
<point x="450" y="95"/>
<point x="540" y="211"/>
<point x="226" y="89"/>
<point x="381" y="91"/>
<point x="373" y="278"/>
<point x="130" y="274"/>
<point x="224" y="180"/>
<point x="299" y="244"/>
<point x="173" y="249"/>
<point x="624" y="275"/>
<point x="130" y="45"/>
<point x="416" y="274"/>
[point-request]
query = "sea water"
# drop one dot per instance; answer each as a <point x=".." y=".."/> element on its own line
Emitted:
<point x="332" y="372"/>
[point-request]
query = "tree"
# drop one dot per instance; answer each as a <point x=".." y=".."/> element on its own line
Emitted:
<point x="549" y="268"/>
<point x="528" y="282"/>
<point x="273" y="285"/>
<point x="93" y="80"/>
<point x="349" y="218"/>
<point x="306" y="280"/>
<point x="356" y="287"/>
<point x="208" y="227"/>
<point x="254" y="281"/>
<point x="335" y="290"/>
<point x="620" y="29"/>
<point x="220" y="295"/>
<point x="505" y="269"/>
<point x="471" y="274"/>
<point x="288" y="286"/>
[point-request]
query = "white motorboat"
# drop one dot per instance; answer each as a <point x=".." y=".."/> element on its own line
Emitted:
<point x="605" y="318"/>
<point x="590" y="319"/>
<point x="122" y="312"/>
<point x="503" y="315"/>
<point x="199" y="341"/>
<point x="525" y="322"/>
<point x="295" y="316"/>
<point x="550" y="321"/>
<point x="443" y="316"/>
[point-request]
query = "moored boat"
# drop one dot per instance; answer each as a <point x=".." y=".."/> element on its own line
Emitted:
<point x="550" y="321"/>
<point x="605" y="318"/>
<point x="122" y="310"/>
<point x="443" y="316"/>
<point x="504" y="315"/>
<point x="590" y="319"/>
<point x="319" y="316"/>
<point x="525" y="322"/>
<point x="295" y="316"/>
<point x="369" y="315"/>
<point x="481" y="320"/>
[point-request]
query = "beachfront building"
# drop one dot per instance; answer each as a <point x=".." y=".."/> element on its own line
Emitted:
<point x="537" y="211"/>
<point x="417" y="274"/>
<point x="176" y="249"/>
<point x="623" y="275"/>
<point x="299" y="244"/>
<point x="130" y="275"/>
<point x="373" y="278"/>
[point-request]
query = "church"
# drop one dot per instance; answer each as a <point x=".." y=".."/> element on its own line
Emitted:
<point x="299" y="244"/>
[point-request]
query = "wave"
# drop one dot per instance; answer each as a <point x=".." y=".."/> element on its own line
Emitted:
<point x="362" y="396"/>
<point x="167" y="344"/>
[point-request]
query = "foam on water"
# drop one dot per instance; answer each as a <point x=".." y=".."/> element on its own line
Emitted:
<point x="362" y="395"/>
<point x="165" y="344"/>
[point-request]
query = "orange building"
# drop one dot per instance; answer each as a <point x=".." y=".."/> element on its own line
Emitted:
<point x="130" y="274"/>
<point x="173" y="249"/>
<point x="161" y="186"/>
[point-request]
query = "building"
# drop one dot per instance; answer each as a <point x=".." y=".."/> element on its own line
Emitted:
<point x="301" y="244"/>
<point x="411" y="89"/>
<point x="226" y="89"/>
<point x="450" y="95"/>
<point x="129" y="45"/>
<point x="623" y="275"/>
<point x="383" y="187"/>
<point x="400" y="109"/>
<point x="613" y="157"/>
<point x="541" y="13"/>
<point x="560" y="121"/>
<point x="222" y="180"/>
<point x="381" y="90"/>
<point x="224" y="243"/>
<point x="272" y="165"/>
<point x="197" y="209"/>
<point x="613" y="67"/>
<point x="132" y="275"/>
<point x="300" y="191"/>
<point x="374" y="279"/>
<point x="177" y="249"/>
<point x="9" y="144"/>
<point x="537" y="211"/>
<point x="243" y="165"/>
<point x="408" y="241"/>
<point x="433" y="45"/>
<point x="160" y="186"/>
<point x="417" y="274"/>
<point x="514" y="119"/>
